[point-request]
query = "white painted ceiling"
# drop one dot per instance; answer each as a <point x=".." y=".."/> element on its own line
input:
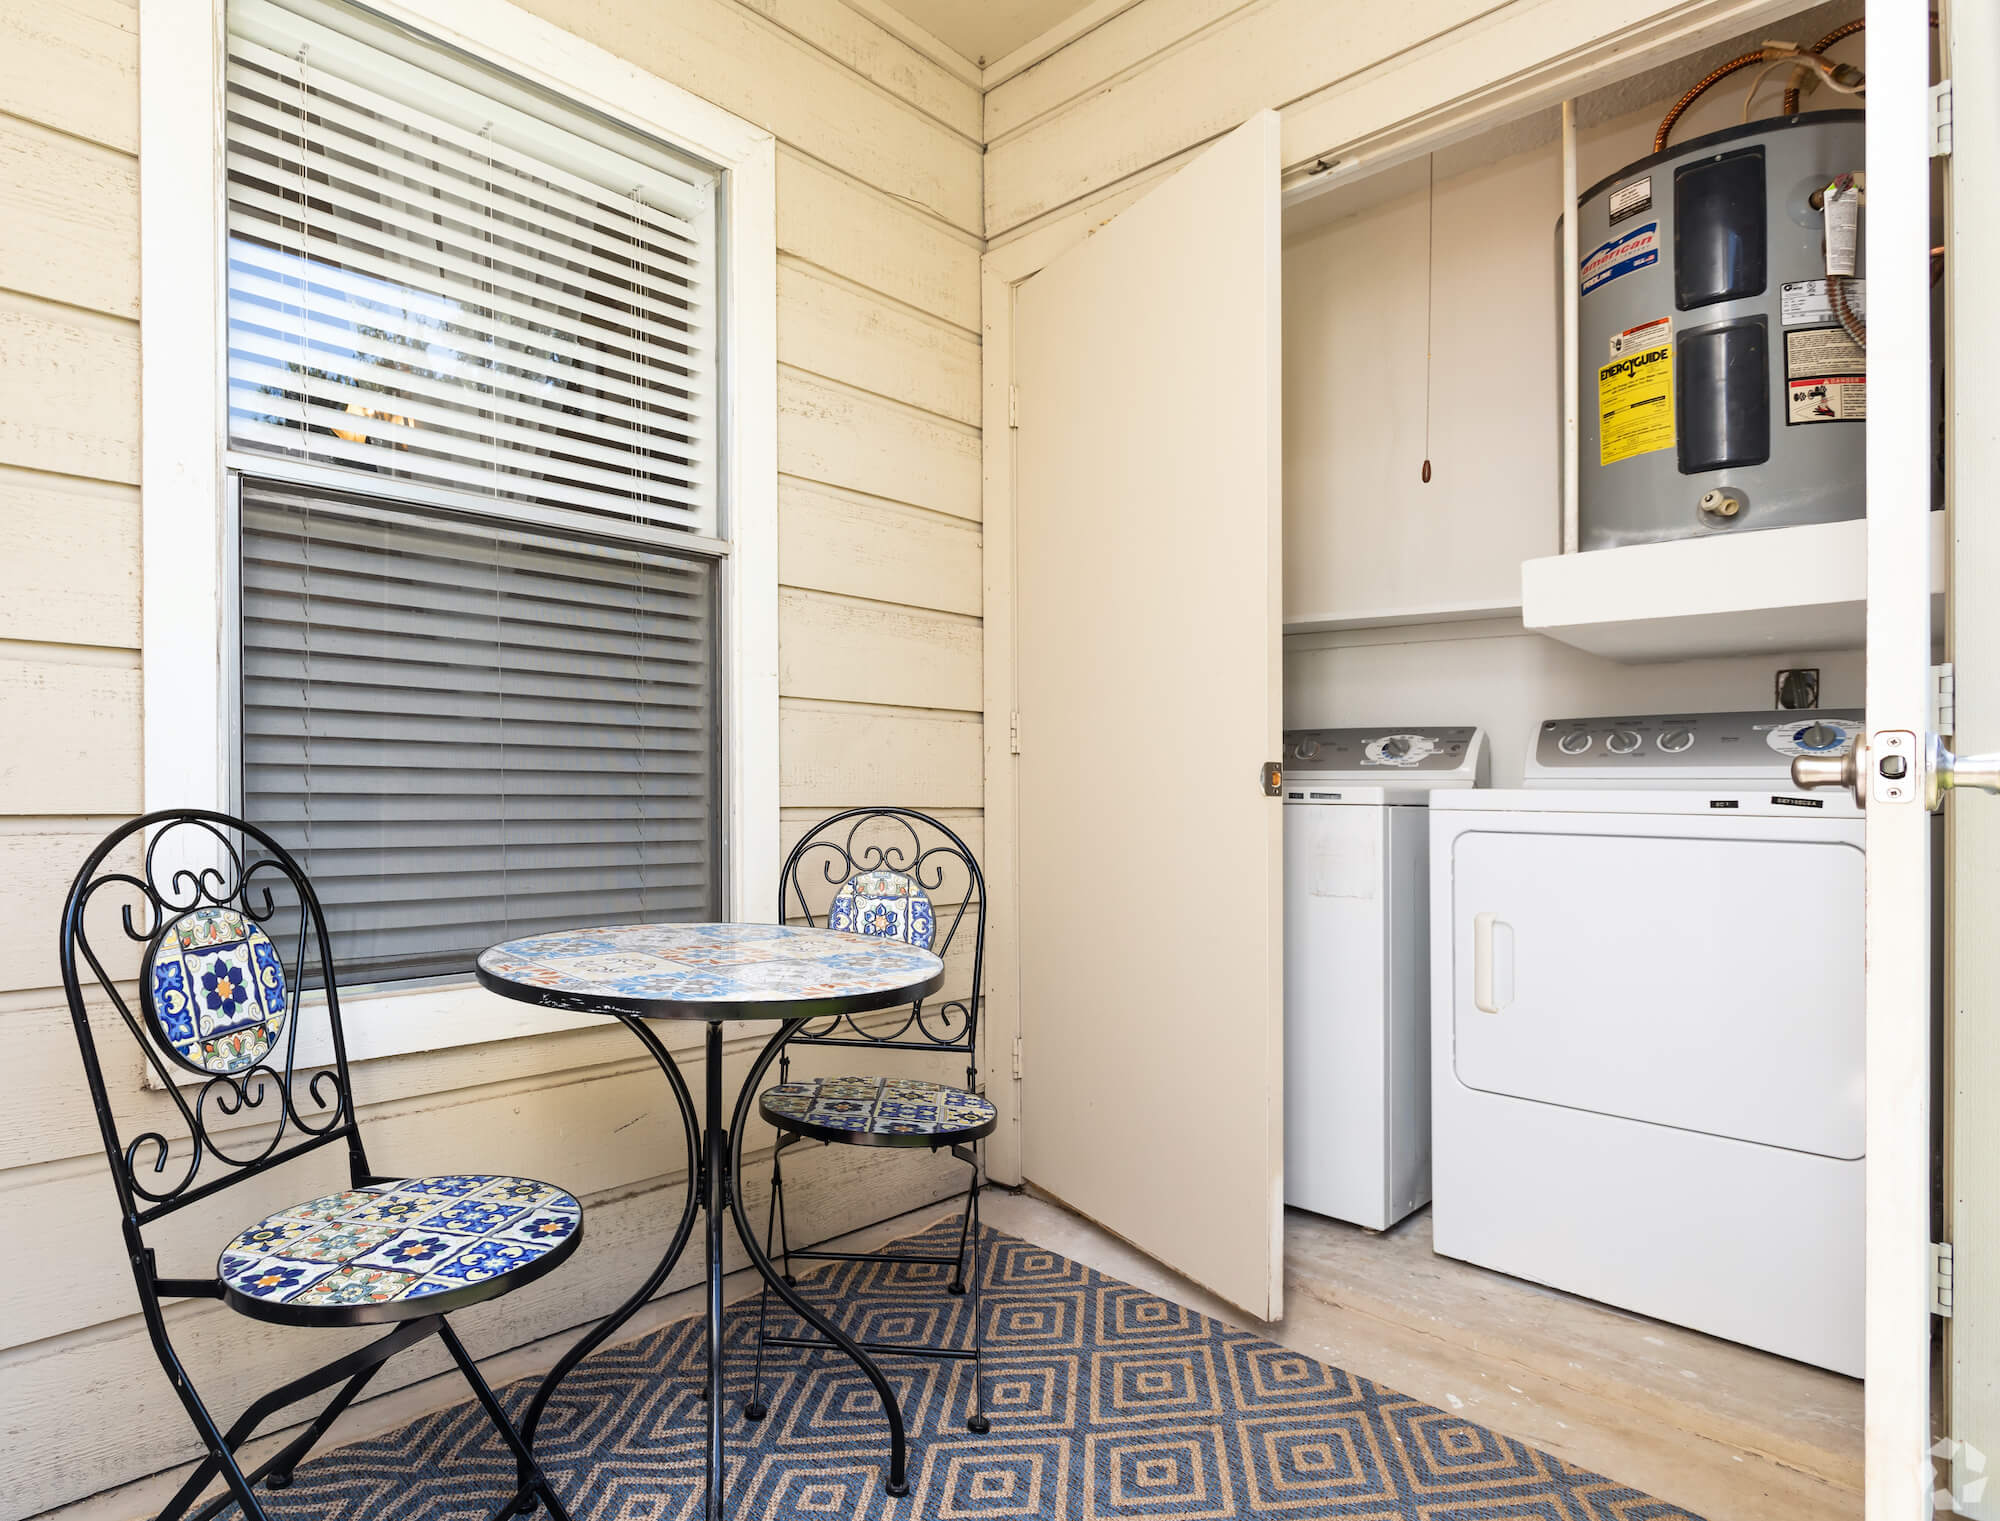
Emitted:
<point x="987" y="30"/>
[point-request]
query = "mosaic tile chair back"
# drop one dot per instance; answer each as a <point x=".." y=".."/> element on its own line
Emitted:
<point x="889" y="868"/>
<point x="888" y="856"/>
<point x="228" y="932"/>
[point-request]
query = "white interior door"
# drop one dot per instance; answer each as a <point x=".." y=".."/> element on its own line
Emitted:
<point x="1897" y="226"/>
<point x="1972" y="1192"/>
<point x="1147" y="607"/>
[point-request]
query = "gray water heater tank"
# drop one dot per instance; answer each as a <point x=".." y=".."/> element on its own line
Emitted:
<point x="1719" y="393"/>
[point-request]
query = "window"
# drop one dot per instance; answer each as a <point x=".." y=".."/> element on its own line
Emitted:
<point x="459" y="378"/>
<point x="478" y="667"/>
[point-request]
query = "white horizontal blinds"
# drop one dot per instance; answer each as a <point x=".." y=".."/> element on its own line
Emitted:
<point x="438" y="275"/>
<point x="468" y="733"/>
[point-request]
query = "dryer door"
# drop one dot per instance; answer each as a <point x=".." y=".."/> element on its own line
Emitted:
<point x="1708" y="983"/>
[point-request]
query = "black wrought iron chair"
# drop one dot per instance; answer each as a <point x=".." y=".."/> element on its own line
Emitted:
<point x="219" y="1009"/>
<point x="884" y="872"/>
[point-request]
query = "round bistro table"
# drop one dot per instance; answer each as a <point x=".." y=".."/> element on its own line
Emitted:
<point x="636" y="973"/>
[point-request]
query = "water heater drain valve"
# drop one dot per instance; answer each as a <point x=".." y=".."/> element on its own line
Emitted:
<point x="1720" y="504"/>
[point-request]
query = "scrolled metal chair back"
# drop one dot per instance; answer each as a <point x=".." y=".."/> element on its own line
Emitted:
<point x="229" y="932"/>
<point x="903" y="875"/>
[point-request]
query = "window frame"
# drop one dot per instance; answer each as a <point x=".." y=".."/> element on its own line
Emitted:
<point x="189" y="644"/>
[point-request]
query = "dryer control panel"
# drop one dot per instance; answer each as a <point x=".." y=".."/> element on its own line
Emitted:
<point x="1413" y="755"/>
<point x="1685" y="749"/>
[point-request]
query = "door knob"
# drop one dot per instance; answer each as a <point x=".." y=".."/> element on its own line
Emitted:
<point x="1943" y="771"/>
<point x="1849" y="771"/>
<point x="1950" y="772"/>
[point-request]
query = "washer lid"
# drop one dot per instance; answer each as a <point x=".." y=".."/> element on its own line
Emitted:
<point x="1411" y="758"/>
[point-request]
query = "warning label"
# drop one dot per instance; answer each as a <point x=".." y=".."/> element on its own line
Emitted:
<point x="1822" y="351"/>
<point x="1635" y="405"/>
<point x="1648" y="335"/>
<point x="1635" y="250"/>
<point x="1832" y="398"/>
<point x="1629" y="200"/>
<point x="1826" y="377"/>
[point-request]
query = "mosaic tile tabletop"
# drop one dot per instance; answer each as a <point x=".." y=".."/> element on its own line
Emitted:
<point x="710" y="971"/>
<point x="393" y="1243"/>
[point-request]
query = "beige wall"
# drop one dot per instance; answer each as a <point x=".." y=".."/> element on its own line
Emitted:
<point x="878" y="222"/>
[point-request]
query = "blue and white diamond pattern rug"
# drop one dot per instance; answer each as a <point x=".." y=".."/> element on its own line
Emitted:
<point x="1105" y="1402"/>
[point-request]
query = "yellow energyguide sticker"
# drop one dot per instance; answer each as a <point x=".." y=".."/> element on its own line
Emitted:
<point x="1635" y="405"/>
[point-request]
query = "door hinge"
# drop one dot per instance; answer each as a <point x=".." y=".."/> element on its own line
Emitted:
<point x="1013" y="406"/>
<point x="1013" y="733"/>
<point x="1941" y="1274"/>
<point x="1944" y="700"/>
<point x="1017" y="1057"/>
<point x="1941" y="119"/>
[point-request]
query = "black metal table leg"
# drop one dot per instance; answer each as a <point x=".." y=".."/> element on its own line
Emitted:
<point x="898" y="1481"/>
<point x="595" y="1337"/>
<point x="715" y="1153"/>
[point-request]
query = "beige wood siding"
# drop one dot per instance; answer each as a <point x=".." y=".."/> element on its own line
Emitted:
<point x="879" y="213"/>
<point x="1097" y="119"/>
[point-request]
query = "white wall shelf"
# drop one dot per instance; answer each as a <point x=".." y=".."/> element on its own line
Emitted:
<point x="1782" y="589"/>
<point x="1396" y="617"/>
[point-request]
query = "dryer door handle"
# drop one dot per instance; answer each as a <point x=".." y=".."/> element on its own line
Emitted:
<point x="1490" y="994"/>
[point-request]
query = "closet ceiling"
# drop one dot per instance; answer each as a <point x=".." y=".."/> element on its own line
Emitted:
<point x="987" y="30"/>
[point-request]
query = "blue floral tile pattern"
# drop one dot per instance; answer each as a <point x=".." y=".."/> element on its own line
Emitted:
<point x="877" y="1107"/>
<point x="215" y="989"/>
<point x="399" y="1241"/>
<point x="708" y="964"/>
<point x="886" y="904"/>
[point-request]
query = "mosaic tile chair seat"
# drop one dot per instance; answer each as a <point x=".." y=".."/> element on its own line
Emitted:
<point x="900" y="875"/>
<point x="229" y="932"/>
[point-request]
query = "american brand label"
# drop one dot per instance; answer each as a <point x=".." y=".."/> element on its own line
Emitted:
<point x="1635" y="250"/>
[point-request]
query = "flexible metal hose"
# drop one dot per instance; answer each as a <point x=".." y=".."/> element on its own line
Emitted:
<point x="1845" y="29"/>
<point x="1695" y="92"/>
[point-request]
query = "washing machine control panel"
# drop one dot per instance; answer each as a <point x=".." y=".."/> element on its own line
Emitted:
<point x="1668" y="749"/>
<point x="1433" y="754"/>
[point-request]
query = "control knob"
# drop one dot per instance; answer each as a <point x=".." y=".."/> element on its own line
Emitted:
<point x="1622" y="742"/>
<point x="1819" y="736"/>
<point x="1676" y="740"/>
<point x="1574" y="743"/>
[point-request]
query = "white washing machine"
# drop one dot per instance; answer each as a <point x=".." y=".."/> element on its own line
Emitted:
<point x="1647" y="1019"/>
<point x="1357" y="970"/>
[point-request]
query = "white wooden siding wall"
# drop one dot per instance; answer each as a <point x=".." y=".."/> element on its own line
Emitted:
<point x="879" y="448"/>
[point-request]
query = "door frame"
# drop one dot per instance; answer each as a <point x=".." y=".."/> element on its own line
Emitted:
<point x="1416" y="105"/>
<point x="1971" y="1423"/>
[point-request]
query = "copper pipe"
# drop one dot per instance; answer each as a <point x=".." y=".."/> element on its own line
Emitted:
<point x="1679" y="107"/>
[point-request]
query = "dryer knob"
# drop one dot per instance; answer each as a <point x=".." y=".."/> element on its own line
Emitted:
<point x="1574" y="744"/>
<point x="1622" y="742"/>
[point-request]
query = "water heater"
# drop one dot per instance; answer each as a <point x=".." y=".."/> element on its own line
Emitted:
<point x="1720" y="390"/>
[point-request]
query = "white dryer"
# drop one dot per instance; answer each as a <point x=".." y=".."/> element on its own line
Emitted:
<point x="1647" y="1016"/>
<point x="1357" y="967"/>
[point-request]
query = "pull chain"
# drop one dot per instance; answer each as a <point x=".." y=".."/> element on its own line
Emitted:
<point x="1430" y="286"/>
